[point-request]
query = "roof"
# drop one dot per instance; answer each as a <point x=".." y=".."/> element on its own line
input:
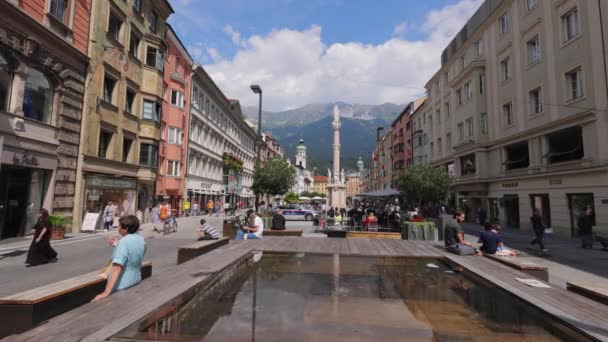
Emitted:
<point x="409" y="109"/>
<point x="321" y="179"/>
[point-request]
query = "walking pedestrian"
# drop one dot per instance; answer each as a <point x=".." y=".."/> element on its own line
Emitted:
<point x="210" y="207"/>
<point x="127" y="257"/>
<point x="195" y="209"/>
<point x="108" y="216"/>
<point x="483" y="216"/>
<point x="539" y="229"/>
<point x="40" y="251"/>
<point x="585" y="228"/>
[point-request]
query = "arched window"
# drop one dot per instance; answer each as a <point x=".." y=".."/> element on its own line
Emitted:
<point x="6" y="81"/>
<point x="38" y="96"/>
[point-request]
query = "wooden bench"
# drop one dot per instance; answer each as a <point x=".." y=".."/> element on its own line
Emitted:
<point x="374" y="235"/>
<point x="537" y="271"/>
<point x="597" y="293"/>
<point x="196" y="249"/>
<point x="22" y="311"/>
<point x="284" y="232"/>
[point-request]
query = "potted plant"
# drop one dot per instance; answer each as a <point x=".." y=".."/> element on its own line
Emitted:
<point x="59" y="222"/>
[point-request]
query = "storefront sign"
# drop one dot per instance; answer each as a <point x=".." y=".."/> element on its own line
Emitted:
<point x="111" y="183"/>
<point x="205" y="186"/>
<point x="90" y="222"/>
<point x="25" y="159"/>
<point x="555" y="181"/>
<point x="510" y="185"/>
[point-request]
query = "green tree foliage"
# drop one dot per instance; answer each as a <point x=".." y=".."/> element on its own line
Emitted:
<point x="292" y="198"/>
<point x="274" y="176"/>
<point x="311" y="194"/>
<point x="424" y="184"/>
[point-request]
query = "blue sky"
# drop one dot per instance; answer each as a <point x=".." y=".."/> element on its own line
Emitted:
<point x="313" y="51"/>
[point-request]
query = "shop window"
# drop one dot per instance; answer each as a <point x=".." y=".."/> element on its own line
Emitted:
<point x="173" y="168"/>
<point x="148" y="155"/>
<point x="518" y="156"/>
<point x="38" y="96"/>
<point x="114" y="27"/>
<point x="105" y="139"/>
<point x="565" y="145"/>
<point x="59" y="10"/>
<point x="467" y="165"/>
<point x="126" y="149"/>
<point x="154" y="58"/>
<point x="6" y="81"/>
<point x="134" y="45"/>
<point x="152" y="110"/>
<point x="109" y="84"/>
<point x="130" y="101"/>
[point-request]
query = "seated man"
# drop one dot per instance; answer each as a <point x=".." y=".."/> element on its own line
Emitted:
<point x="454" y="236"/>
<point x="207" y="231"/>
<point x="489" y="239"/>
<point x="278" y="221"/>
<point x="254" y="232"/>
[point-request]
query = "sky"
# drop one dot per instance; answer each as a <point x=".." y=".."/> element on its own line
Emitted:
<point x="319" y="51"/>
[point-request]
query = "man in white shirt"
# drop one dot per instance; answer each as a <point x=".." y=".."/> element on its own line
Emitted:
<point x="254" y="232"/>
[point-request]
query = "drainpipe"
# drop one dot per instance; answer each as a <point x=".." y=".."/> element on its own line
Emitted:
<point x="599" y="4"/>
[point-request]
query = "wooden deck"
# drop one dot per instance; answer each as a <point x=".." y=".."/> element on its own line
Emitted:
<point x="101" y="320"/>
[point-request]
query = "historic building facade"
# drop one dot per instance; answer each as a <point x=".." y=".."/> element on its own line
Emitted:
<point x="171" y="179"/>
<point x="123" y="106"/>
<point x="221" y="145"/>
<point x="519" y="113"/>
<point x="381" y="166"/>
<point x="43" y="67"/>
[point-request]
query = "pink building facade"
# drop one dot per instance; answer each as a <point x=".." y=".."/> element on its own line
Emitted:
<point x="170" y="183"/>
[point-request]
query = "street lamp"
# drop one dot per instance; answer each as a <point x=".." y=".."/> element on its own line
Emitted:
<point x="258" y="90"/>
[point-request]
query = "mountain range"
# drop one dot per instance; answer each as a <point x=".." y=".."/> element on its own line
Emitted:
<point x="313" y="124"/>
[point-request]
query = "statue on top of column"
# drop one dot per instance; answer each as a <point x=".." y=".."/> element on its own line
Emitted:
<point x="336" y="113"/>
<point x="342" y="178"/>
<point x="329" y="176"/>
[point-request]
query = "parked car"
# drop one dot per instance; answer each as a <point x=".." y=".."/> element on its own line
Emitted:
<point x="294" y="212"/>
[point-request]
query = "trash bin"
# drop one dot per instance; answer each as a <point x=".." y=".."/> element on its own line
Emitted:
<point x="229" y="229"/>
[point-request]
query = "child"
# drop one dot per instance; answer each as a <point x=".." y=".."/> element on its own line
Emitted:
<point x="502" y="250"/>
<point x="207" y="231"/>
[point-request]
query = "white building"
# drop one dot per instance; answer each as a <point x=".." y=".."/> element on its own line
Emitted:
<point x="304" y="178"/>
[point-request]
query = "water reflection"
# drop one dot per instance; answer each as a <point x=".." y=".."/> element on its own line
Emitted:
<point x="290" y="297"/>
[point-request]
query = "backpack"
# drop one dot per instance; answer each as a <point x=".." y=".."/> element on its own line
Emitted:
<point x="163" y="213"/>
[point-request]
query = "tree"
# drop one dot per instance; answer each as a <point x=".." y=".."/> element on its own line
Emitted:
<point x="274" y="176"/>
<point x="424" y="184"/>
<point x="292" y="198"/>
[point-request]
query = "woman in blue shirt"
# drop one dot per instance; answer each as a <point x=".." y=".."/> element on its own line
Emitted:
<point x="127" y="257"/>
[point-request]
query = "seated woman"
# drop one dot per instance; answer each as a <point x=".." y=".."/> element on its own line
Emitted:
<point x="371" y="218"/>
<point x="126" y="258"/>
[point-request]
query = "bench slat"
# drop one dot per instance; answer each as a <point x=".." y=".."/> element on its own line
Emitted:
<point x="590" y="291"/>
<point x="284" y="232"/>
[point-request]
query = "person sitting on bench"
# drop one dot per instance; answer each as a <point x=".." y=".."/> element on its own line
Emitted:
<point x="207" y="231"/>
<point x="254" y="232"/>
<point x="278" y="221"/>
<point x="454" y="236"/>
<point x="127" y="257"/>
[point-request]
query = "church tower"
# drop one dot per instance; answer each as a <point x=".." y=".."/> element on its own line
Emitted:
<point x="301" y="154"/>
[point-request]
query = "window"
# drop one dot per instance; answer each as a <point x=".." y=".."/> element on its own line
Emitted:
<point x="195" y="97"/>
<point x="459" y="96"/>
<point x="431" y="148"/>
<point x="447" y="110"/>
<point x="114" y="26"/>
<point x="154" y="58"/>
<point x="536" y="105"/>
<point x="38" y="96"/>
<point x="174" y="135"/>
<point x="153" y="22"/>
<point x="431" y="121"/>
<point x="134" y="45"/>
<point x="129" y="101"/>
<point x="518" y="156"/>
<point x="507" y="113"/>
<point x="565" y="145"/>
<point x="570" y="25"/>
<point x="503" y="24"/>
<point x="533" y="46"/>
<point x="109" y="84"/>
<point x="148" y="155"/>
<point x="505" y="68"/>
<point x="59" y="10"/>
<point x="468" y="91"/>
<point x="483" y="123"/>
<point x="478" y="48"/>
<point x="467" y="165"/>
<point x="448" y="140"/>
<point x="530" y="4"/>
<point x="574" y="85"/>
<point x="126" y="149"/>
<point x="177" y="98"/>
<point x="469" y="123"/>
<point x="137" y="5"/>
<point x="105" y="138"/>
<point x="460" y="127"/>
<point x="482" y="83"/>
<point x="173" y="167"/>
<point x="439" y="147"/>
<point x="151" y="110"/>
<point x="6" y="81"/>
<point x="438" y="115"/>
<point x="462" y="62"/>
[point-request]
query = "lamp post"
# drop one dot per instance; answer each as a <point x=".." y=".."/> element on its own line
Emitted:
<point x="258" y="90"/>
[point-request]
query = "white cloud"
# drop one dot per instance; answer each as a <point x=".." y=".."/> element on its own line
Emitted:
<point x="214" y="54"/>
<point x="400" y="29"/>
<point x="295" y="68"/>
